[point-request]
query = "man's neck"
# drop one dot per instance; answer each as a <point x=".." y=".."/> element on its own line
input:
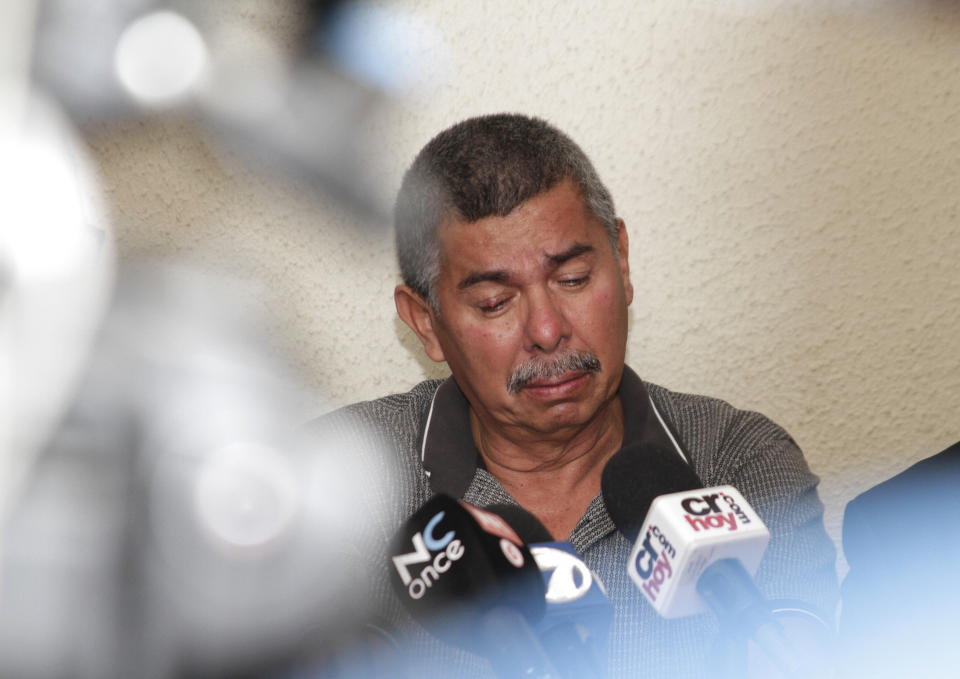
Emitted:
<point x="555" y="477"/>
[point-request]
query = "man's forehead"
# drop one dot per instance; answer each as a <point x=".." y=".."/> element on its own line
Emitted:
<point x="548" y="224"/>
<point x="485" y="245"/>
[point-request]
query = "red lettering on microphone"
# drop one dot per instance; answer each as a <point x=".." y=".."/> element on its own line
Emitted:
<point x="662" y="572"/>
<point x="712" y="521"/>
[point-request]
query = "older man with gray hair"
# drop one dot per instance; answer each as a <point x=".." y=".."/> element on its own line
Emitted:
<point x="516" y="274"/>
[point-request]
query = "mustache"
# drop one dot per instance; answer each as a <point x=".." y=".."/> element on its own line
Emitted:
<point x="542" y="368"/>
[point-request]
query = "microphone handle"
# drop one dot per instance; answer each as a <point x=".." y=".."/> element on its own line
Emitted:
<point x="512" y="647"/>
<point x="730" y="591"/>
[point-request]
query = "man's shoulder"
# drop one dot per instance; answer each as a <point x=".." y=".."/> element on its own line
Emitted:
<point x="385" y="408"/>
<point x="678" y="400"/>
<point x="389" y="422"/>
<point x="381" y="437"/>
<point x="698" y="416"/>
<point x="727" y="444"/>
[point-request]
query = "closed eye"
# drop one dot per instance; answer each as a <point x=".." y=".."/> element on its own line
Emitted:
<point x="492" y="306"/>
<point x="578" y="282"/>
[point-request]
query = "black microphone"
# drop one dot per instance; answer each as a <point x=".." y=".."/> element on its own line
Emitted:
<point x="635" y="476"/>
<point x="695" y="549"/>
<point x="466" y="577"/>
<point x="527" y="527"/>
<point x="576" y="625"/>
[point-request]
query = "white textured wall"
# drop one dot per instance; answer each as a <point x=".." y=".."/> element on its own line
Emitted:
<point x="788" y="171"/>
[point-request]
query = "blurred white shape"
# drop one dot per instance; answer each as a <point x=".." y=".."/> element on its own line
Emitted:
<point x="391" y="48"/>
<point x="56" y="273"/>
<point x="246" y="495"/>
<point x="160" y="57"/>
<point x="47" y="234"/>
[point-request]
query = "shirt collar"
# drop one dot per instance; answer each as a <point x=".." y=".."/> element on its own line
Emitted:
<point x="450" y="456"/>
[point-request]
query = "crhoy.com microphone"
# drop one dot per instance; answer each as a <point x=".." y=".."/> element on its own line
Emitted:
<point x="576" y="626"/>
<point x="466" y="576"/>
<point x="696" y="549"/>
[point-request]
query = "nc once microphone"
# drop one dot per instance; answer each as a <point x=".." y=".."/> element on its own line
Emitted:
<point x="527" y="527"/>
<point x="576" y="626"/>
<point x="466" y="577"/>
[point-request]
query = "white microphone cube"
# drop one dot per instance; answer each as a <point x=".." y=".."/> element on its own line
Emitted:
<point x="682" y="535"/>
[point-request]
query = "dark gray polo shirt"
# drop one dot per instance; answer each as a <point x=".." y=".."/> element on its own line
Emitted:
<point x="455" y="467"/>
<point x="421" y="441"/>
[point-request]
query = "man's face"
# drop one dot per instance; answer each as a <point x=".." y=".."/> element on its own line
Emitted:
<point x="522" y="290"/>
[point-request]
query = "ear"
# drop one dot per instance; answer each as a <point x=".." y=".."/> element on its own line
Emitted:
<point x="623" y="255"/>
<point x="419" y="317"/>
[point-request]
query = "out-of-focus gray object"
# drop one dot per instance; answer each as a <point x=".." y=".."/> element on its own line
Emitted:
<point x="176" y="525"/>
<point x="313" y="110"/>
<point x="159" y="515"/>
<point x="56" y="271"/>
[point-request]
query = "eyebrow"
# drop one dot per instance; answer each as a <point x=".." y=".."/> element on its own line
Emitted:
<point x="574" y="251"/>
<point x="501" y="276"/>
<point x="482" y="276"/>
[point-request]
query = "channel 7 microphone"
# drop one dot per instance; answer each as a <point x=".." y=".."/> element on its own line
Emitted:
<point x="468" y="579"/>
<point x="576" y="626"/>
<point x="696" y="549"/>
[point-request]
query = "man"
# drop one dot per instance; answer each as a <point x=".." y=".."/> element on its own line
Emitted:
<point x="901" y="598"/>
<point x="516" y="273"/>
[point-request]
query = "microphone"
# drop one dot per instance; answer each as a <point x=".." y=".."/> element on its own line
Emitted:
<point x="576" y="626"/>
<point x="470" y="581"/>
<point x="637" y="474"/>
<point x="696" y="549"/>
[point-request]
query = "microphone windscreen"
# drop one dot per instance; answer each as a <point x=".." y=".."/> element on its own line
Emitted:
<point x="451" y="560"/>
<point x="637" y="474"/>
<point x="527" y="526"/>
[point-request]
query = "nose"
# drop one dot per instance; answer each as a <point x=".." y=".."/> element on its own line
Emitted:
<point x="547" y="324"/>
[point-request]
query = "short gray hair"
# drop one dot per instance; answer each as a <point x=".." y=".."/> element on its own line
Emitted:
<point x="481" y="167"/>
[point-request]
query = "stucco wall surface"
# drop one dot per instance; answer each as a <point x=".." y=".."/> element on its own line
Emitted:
<point x="788" y="172"/>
